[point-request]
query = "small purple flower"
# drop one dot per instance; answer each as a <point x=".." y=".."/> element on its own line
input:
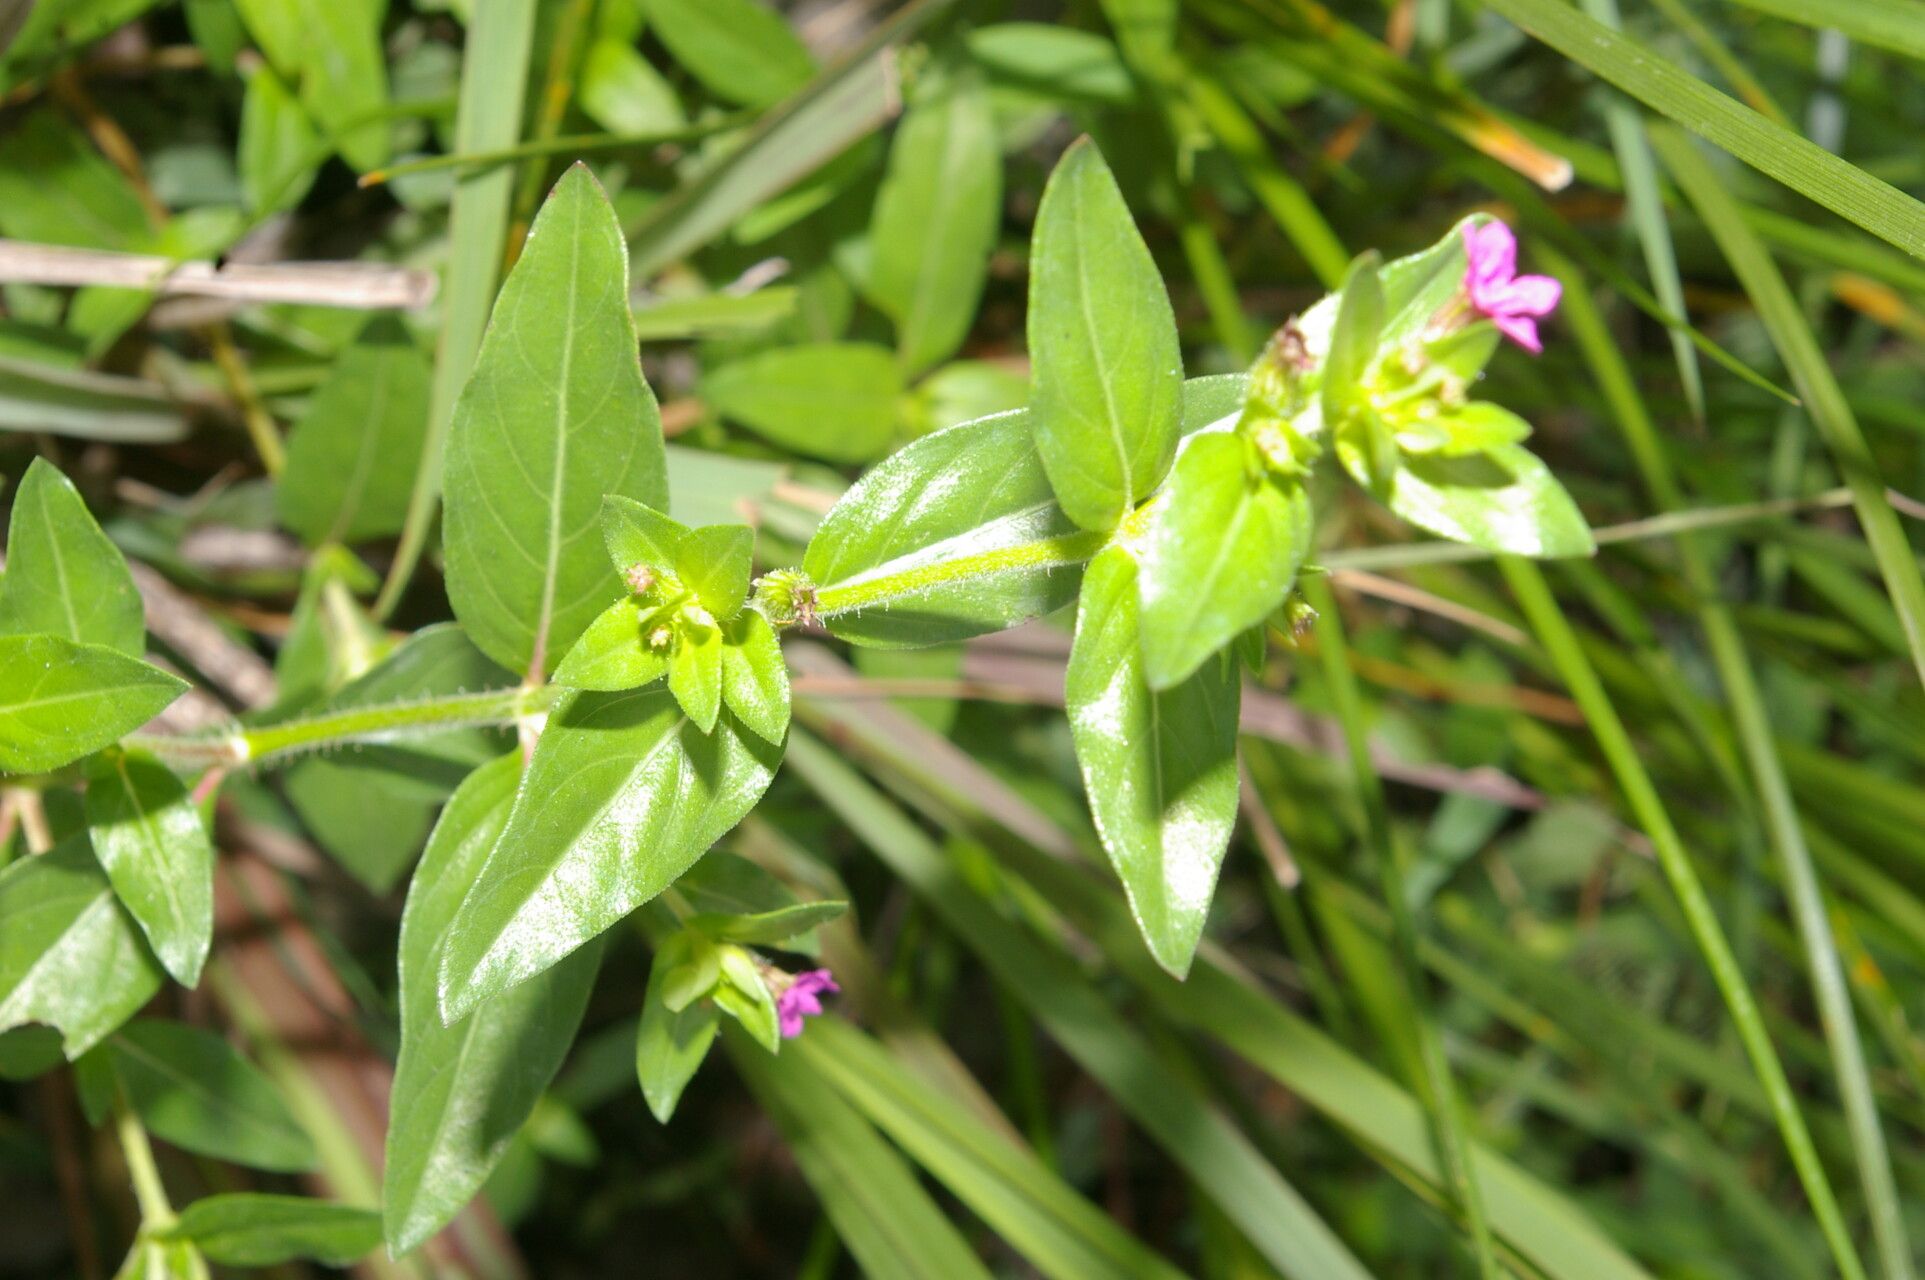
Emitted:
<point x="1513" y="302"/>
<point x="802" y="999"/>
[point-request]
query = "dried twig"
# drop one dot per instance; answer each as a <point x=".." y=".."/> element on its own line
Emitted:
<point x="357" y="285"/>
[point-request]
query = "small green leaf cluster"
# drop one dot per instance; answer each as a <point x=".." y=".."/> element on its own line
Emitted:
<point x="707" y="967"/>
<point x="1183" y="507"/>
<point x="686" y="616"/>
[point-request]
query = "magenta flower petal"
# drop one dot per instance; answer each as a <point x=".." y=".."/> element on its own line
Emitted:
<point x="1519" y="329"/>
<point x="1532" y="295"/>
<point x="1495" y="290"/>
<point x="801" y="999"/>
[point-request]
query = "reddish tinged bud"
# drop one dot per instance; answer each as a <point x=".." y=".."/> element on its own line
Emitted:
<point x="639" y="578"/>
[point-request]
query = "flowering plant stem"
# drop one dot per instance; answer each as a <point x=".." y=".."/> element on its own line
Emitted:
<point x="1437" y="1087"/>
<point x="390" y="723"/>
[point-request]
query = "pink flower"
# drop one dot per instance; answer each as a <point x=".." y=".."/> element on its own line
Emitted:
<point x="1512" y="302"/>
<point x="801" y="999"/>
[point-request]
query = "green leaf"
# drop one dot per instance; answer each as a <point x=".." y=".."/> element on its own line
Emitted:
<point x="147" y="833"/>
<point x="1223" y="546"/>
<point x="55" y="188"/>
<point x="956" y="534"/>
<point x="695" y="673"/>
<point x="715" y="564"/>
<point x="845" y="103"/>
<point x="70" y="955"/>
<point x="622" y="91"/>
<point x="38" y="396"/>
<point x="1354" y="334"/>
<point x="740" y="49"/>
<point x="755" y="678"/>
<point x="1159" y="767"/>
<point x="192" y="1088"/>
<point x="162" y="1260"/>
<point x="613" y="654"/>
<point x="936" y="219"/>
<point x="959" y="533"/>
<point x="768" y="928"/>
<point x="622" y="796"/>
<point x="333" y="48"/>
<point x="1455" y="431"/>
<point x="1106" y="369"/>
<point x="280" y="148"/>
<point x="555" y="415"/>
<point x="60" y="701"/>
<point x="1059" y="62"/>
<point x="347" y="478"/>
<point x="462" y="1092"/>
<point x="1503" y="499"/>
<point x="64" y="577"/>
<point x="670" y="1045"/>
<point x="744" y="996"/>
<point x="251" y="1230"/>
<point x="838" y="401"/>
<point x="636" y="533"/>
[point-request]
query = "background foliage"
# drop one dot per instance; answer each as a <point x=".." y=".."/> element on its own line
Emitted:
<point x="1573" y="920"/>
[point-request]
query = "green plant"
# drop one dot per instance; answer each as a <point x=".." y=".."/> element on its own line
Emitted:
<point x="982" y="585"/>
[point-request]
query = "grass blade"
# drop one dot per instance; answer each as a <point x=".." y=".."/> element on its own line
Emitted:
<point x="1198" y="1136"/>
<point x="494" y="76"/>
<point x="1773" y="150"/>
<point x="1811" y="374"/>
<point x="1063" y="1235"/>
<point x="1437" y="1088"/>
<point x="1752" y="724"/>
<point x="1554" y="630"/>
<point x="881" y="1212"/>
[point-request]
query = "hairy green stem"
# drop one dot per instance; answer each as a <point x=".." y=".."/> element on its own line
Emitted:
<point x="150" y="1193"/>
<point x="1446" y="1115"/>
<point x="392" y="722"/>
<point x="884" y="589"/>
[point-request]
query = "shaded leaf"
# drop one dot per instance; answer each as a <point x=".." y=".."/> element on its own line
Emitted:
<point x="251" y="1230"/>
<point x="838" y="401"/>
<point x="70" y="955"/>
<point x="346" y="478"/>
<point x="192" y="1088"/>
<point x="149" y="838"/>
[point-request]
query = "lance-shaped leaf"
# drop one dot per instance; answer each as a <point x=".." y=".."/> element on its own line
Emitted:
<point x="1106" y="368"/>
<point x="462" y="1092"/>
<point x="60" y="701"/>
<point x="555" y="415"/>
<point x="1223" y="546"/>
<point x="70" y="955"/>
<point x="192" y="1088"/>
<point x="342" y="482"/>
<point x="1160" y="767"/>
<point x="623" y="795"/>
<point x="64" y="577"/>
<point x="151" y="841"/>
<point x="670" y="1044"/>
<point x="936" y="218"/>
<point x="247" y="1229"/>
<point x="839" y="401"/>
<point x="959" y="533"/>
<point x="1503" y="499"/>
